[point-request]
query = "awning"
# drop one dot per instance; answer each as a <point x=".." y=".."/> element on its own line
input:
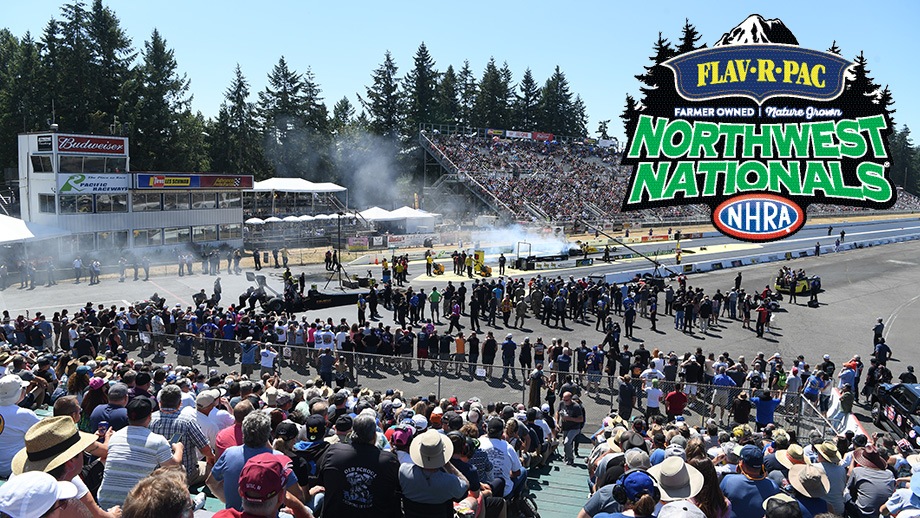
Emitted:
<point x="296" y="185"/>
<point x="13" y="230"/>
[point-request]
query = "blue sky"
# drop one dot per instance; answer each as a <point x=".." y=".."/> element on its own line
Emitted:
<point x="599" y="45"/>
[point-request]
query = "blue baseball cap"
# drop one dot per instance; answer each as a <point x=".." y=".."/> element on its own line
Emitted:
<point x="752" y="456"/>
<point x="638" y="483"/>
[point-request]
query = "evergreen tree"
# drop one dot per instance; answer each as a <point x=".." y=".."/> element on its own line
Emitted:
<point x="886" y="101"/>
<point x="602" y="128"/>
<point x="902" y="153"/>
<point x="491" y="108"/>
<point x="556" y="106"/>
<point x="384" y="105"/>
<point x="447" y="100"/>
<point x="156" y="96"/>
<point x="835" y="49"/>
<point x="630" y="115"/>
<point x="20" y="98"/>
<point x="526" y="104"/>
<point x="282" y="109"/>
<point x="577" y="122"/>
<point x="343" y="115"/>
<point x="468" y="91"/>
<point x="50" y="72"/>
<point x="688" y="39"/>
<point x="243" y="142"/>
<point x="420" y="86"/>
<point x="316" y="115"/>
<point x="112" y="55"/>
<point x="75" y="98"/>
<point x="658" y="81"/>
<point x="191" y="143"/>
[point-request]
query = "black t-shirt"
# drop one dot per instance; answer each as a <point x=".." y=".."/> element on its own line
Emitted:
<point x="741" y="409"/>
<point x="642" y="355"/>
<point x="573" y="410"/>
<point x="360" y="479"/>
<point x="693" y="372"/>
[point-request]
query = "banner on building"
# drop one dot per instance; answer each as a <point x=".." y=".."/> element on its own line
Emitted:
<point x="92" y="183"/>
<point x="192" y="181"/>
<point x="81" y="145"/>
<point x="518" y="134"/>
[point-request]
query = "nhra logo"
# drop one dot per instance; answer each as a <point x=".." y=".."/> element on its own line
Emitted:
<point x="757" y="128"/>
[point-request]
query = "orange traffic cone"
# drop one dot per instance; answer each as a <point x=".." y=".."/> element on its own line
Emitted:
<point x="375" y="260"/>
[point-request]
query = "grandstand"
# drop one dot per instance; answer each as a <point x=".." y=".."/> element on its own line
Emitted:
<point x="559" y="181"/>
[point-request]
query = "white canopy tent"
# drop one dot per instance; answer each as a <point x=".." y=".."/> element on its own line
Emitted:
<point x="15" y="230"/>
<point x="296" y="185"/>
<point x="374" y="214"/>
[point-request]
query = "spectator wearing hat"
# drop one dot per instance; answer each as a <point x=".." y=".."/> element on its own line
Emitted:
<point x="359" y="477"/>
<point x="676" y="479"/>
<point x="211" y="418"/>
<point x="400" y="438"/>
<point x="55" y="446"/>
<point x="748" y="489"/>
<point x="35" y="495"/>
<point x="810" y="485"/>
<point x="782" y="505"/>
<point x="507" y="471"/>
<point x="225" y="475"/>
<point x="16" y="419"/>
<point x="114" y="412"/>
<point x="870" y="483"/>
<point x="783" y="460"/>
<point x="829" y="459"/>
<point x="306" y="456"/>
<point x="431" y="483"/>
<point x="134" y="452"/>
<point x="170" y="422"/>
<point x="342" y="431"/>
<point x="636" y="492"/>
<point x="264" y="484"/>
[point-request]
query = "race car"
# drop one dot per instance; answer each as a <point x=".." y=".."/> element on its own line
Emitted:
<point x="802" y="286"/>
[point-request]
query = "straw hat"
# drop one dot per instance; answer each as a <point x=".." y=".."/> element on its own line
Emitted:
<point x="792" y="456"/>
<point x="50" y="443"/>
<point x="431" y="450"/>
<point x="827" y="450"/>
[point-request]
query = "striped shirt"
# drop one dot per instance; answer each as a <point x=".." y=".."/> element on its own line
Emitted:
<point x="169" y="424"/>
<point x="134" y="452"/>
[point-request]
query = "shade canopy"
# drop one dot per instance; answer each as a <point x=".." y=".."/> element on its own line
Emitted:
<point x="296" y="185"/>
<point x="273" y="219"/>
<point x="291" y="219"/>
<point x="13" y="230"/>
<point x="378" y="214"/>
<point x="255" y="221"/>
<point x="306" y="217"/>
<point x="410" y="213"/>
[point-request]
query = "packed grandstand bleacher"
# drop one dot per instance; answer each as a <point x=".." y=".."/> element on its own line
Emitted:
<point x="540" y="180"/>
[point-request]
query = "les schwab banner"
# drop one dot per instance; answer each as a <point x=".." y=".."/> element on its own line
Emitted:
<point x="191" y="181"/>
<point x="758" y="128"/>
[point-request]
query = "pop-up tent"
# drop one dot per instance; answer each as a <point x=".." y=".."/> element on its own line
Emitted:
<point x="15" y="230"/>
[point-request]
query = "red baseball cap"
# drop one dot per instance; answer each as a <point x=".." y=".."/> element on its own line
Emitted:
<point x="264" y="476"/>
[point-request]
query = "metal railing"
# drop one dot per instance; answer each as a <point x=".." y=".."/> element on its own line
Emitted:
<point x="598" y="389"/>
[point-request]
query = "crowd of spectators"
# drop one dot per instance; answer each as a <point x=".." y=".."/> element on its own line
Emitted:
<point x="567" y="181"/>
<point x="138" y="438"/>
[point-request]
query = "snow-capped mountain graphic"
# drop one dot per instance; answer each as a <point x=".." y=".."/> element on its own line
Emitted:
<point x="754" y="29"/>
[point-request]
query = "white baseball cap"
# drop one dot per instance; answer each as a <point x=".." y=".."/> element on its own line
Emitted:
<point x="33" y="494"/>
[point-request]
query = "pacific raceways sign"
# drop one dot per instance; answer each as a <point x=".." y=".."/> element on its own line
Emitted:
<point x="758" y="128"/>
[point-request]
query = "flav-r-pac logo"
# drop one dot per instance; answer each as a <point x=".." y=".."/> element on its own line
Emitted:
<point x="757" y="128"/>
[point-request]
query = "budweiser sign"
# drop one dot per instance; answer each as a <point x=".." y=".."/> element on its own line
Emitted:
<point x="103" y="145"/>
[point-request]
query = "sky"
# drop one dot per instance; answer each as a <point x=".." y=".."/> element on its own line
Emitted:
<point x="599" y="45"/>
